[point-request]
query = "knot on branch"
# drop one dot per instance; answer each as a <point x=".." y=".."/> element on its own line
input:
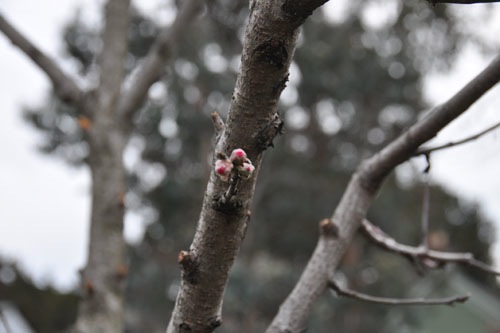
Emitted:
<point x="213" y="323"/>
<point x="189" y="266"/>
<point x="121" y="272"/>
<point x="328" y="228"/>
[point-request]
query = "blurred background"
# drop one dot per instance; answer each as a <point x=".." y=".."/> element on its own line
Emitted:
<point x="363" y="72"/>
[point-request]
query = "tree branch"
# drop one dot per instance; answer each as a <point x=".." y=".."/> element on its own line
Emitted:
<point x="360" y="192"/>
<point x="268" y="47"/>
<point x="420" y="253"/>
<point x="427" y="151"/>
<point x="343" y="291"/>
<point x="151" y="68"/>
<point x="111" y="59"/>
<point x="65" y="87"/>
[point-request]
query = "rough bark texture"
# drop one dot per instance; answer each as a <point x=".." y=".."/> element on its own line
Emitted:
<point x="252" y="124"/>
<point x="358" y="196"/>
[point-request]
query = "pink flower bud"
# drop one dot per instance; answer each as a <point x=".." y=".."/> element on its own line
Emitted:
<point x="223" y="169"/>
<point x="246" y="170"/>
<point x="238" y="156"/>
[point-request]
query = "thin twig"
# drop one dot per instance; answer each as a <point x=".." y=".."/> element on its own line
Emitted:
<point x="218" y="125"/>
<point x="425" y="205"/>
<point x="342" y="291"/>
<point x="426" y="151"/>
<point x="420" y="254"/>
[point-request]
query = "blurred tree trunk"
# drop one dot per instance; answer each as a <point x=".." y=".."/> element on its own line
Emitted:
<point x="101" y="309"/>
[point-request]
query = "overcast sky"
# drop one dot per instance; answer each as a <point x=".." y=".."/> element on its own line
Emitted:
<point x="44" y="204"/>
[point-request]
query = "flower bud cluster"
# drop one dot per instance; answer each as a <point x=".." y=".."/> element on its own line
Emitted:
<point x="237" y="163"/>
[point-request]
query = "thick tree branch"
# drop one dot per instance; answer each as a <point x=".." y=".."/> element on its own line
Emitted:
<point x="151" y="68"/>
<point x="421" y="254"/>
<point x="359" y="195"/>
<point x="427" y="151"/>
<point x="343" y="291"/>
<point x="252" y="123"/>
<point x="65" y="87"/>
<point x="111" y="59"/>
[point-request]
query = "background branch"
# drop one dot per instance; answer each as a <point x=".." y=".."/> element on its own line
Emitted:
<point x="380" y="238"/>
<point x="359" y="194"/>
<point x="343" y="291"/>
<point x="427" y="151"/>
<point x="65" y="87"/>
<point x="111" y="59"/>
<point x="151" y="68"/>
<point x="425" y="205"/>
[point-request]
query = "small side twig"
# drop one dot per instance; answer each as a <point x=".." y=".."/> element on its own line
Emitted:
<point x="425" y="205"/>
<point x="219" y="125"/>
<point x="346" y="292"/>
<point x="419" y="254"/>
<point x="427" y="151"/>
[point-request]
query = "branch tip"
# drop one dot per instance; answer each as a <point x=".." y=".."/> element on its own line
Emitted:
<point x="427" y="151"/>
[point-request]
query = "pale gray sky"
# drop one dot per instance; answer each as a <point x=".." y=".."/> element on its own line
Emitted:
<point x="45" y="204"/>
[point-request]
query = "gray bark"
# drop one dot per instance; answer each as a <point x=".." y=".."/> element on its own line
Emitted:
<point x="252" y="123"/>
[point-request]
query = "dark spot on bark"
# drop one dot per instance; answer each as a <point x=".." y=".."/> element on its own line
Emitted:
<point x="266" y="135"/>
<point x="297" y="10"/>
<point x="225" y="205"/>
<point x="272" y="52"/>
<point x="185" y="327"/>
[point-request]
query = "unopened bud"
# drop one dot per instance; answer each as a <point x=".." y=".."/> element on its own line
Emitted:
<point x="246" y="170"/>
<point x="238" y="156"/>
<point x="223" y="169"/>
